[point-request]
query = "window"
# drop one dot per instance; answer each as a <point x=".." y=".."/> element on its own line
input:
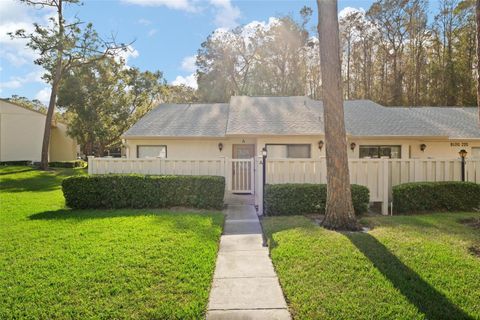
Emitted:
<point x="288" y="150"/>
<point x="476" y="152"/>
<point x="151" y="151"/>
<point x="394" y="152"/>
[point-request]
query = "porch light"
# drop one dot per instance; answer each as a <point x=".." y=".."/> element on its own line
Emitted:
<point x="423" y="146"/>
<point x="463" y="154"/>
<point x="264" y="152"/>
<point x="220" y="146"/>
<point x="320" y="145"/>
<point x="353" y="145"/>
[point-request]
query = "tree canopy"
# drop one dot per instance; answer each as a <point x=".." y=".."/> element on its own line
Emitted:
<point x="392" y="53"/>
<point x="103" y="99"/>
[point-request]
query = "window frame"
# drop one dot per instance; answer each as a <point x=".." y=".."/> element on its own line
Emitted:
<point x="292" y="144"/>
<point x="379" y="146"/>
<point x="152" y="145"/>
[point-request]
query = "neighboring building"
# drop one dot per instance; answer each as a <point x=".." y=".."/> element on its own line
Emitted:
<point x="293" y="127"/>
<point x="21" y="135"/>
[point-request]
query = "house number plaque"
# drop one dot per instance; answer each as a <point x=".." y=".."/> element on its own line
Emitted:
<point x="458" y="144"/>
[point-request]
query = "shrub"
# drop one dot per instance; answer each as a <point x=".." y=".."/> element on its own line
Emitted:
<point x="68" y="164"/>
<point x="141" y="191"/>
<point x="292" y="199"/>
<point x="436" y="196"/>
<point x="16" y="163"/>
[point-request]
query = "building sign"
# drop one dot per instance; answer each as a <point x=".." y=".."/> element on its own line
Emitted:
<point x="458" y="144"/>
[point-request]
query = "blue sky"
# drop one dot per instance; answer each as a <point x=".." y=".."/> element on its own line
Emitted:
<point x="166" y="33"/>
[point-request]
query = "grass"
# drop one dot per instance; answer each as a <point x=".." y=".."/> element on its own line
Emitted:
<point x="57" y="263"/>
<point x="407" y="267"/>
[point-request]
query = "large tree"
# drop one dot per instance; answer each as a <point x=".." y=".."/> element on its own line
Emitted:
<point x="62" y="46"/>
<point x="103" y="99"/>
<point x="478" y="58"/>
<point x="339" y="213"/>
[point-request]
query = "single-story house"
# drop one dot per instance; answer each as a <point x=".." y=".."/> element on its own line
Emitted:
<point x="293" y="127"/>
<point x="21" y="135"/>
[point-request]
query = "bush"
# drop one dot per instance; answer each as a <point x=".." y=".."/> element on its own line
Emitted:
<point x="141" y="191"/>
<point x="292" y="199"/>
<point x="436" y="196"/>
<point x="68" y="164"/>
<point x="17" y="163"/>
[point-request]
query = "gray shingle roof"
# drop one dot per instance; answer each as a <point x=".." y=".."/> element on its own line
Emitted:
<point x="272" y="115"/>
<point x="303" y="116"/>
<point x="183" y="120"/>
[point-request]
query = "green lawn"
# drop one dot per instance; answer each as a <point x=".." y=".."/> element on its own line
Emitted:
<point x="407" y="267"/>
<point x="105" y="264"/>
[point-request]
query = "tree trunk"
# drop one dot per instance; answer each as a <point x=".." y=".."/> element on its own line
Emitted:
<point x="478" y="59"/>
<point x="53" y="95"/>
<point x="339" y="214"/>
<point x="48" y="127"/>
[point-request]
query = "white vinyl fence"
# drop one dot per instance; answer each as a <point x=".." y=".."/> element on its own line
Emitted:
<point x="245" y="175"/>
<point x="158" y="166"/>
<point x="379" y="175"/>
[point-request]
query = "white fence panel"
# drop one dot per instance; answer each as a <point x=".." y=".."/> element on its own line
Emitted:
<point x="472" y="170"/>
<point x="214" y="167"/>
<point x="379" y="175"/>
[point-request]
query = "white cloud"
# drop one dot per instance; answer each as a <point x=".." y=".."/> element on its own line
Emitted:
<point x="14" y="16"/>
<point x="227" y="15"/>
<point x="189" y="81"/>
<point x="184" y="5"/>
<point x="188" y="64"/>
<point x="17" y="82"/>
<point x="144" y="22"/>
<point x="130" y="53"/>
<point x="152" y="32"/>
<point x="44" y="96"/>
<point x="348" y="11"/>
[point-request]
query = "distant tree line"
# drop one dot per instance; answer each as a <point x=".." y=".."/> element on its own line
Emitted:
<point x="392" y="54"/>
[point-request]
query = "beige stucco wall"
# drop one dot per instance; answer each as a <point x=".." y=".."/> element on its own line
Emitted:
<point x="21" y="135"/>
<point x="189" y="148"/>
<point x="62" y="147"/>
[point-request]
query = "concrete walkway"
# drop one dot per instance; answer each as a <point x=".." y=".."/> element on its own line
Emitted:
<point x="245" y="285"/>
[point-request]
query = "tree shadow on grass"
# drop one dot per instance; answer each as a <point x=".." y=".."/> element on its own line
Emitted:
<point x="428" y="300"/>
<point x="6" y="173"/>
<point x="39" y="181"/>
<point x="181" y="221"/>
<point x="87" y="214"/>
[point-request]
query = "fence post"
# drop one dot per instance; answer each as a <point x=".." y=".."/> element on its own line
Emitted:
<point x="385" y="188"/>
<point x="90" y="164"/>
<point x="228" y="173"/>
<point x="417" y="176"/>
<point x="259" y="182"/>
<point x="223" y="169"/>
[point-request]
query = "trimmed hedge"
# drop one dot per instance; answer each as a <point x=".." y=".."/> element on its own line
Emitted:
<point x="293" y="199"/>
<point x="143" y="191"/>
<point x="68" y="164"/>
<point x="436" y="196"/>
<point x="17" y="163"/>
